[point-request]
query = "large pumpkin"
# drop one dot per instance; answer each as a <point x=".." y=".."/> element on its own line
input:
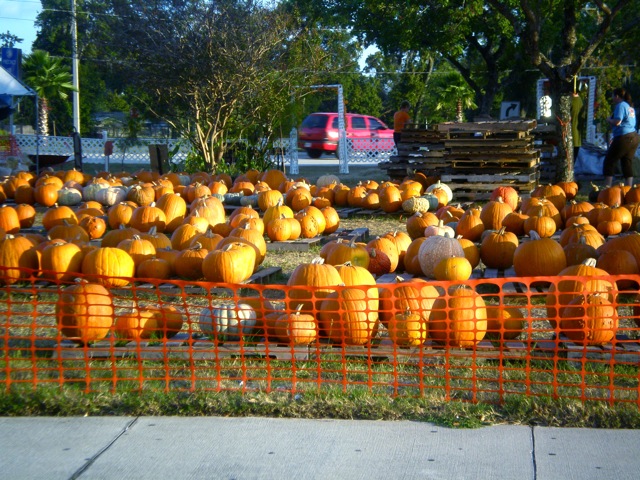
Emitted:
<point x="539" y="257"/>
<point x="349" y="316"/>
<point x="590" y="320"/>
<point x="18" y="255"/>
<point x="85" y="312"/>
<point x="565" y="290"/>
<point x="109" y="266"/>
<point x="458" y="319"/>
<point x="323" y="278"/>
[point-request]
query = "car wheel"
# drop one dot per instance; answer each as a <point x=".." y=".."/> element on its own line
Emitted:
<point x="314" y="153"/>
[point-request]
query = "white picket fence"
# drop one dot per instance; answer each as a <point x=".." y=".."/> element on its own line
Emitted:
<point x="128" y="153"/>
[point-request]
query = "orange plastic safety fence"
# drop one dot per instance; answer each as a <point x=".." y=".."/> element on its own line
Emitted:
<point x="481" y="340"/>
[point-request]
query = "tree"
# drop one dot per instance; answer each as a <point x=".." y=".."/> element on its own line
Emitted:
<point x="211" y="68"/>
<point x="538" y="27"/>
<point x="463" y="32"/>
<point x="9" y="40"/>
<point x="457" y="94"/>
<point x="50" y="80"/>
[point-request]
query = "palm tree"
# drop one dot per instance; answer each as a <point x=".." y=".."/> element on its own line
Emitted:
<point x="50" y="79"/>
<point x="457" y="93"/>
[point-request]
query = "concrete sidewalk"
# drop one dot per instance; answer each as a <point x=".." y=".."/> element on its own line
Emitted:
<point x="268" y="448"/>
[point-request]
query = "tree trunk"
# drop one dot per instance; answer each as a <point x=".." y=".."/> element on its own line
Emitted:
<point x="43" y="117"/>
<point x="561" y="90"/>
<point x="459" y="117"/>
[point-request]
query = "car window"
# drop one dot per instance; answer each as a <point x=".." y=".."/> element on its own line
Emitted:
<point x="315" y="121"/>
<point x="334" y="123"/>
<point x="358" y="123"/>
<point x="374" y="124"/>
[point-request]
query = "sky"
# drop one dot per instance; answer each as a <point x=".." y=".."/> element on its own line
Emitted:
<point x="18" y="17"/>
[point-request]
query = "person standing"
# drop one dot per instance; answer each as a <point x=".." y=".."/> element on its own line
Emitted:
<point x="625" y="140"/>
<point x="400" y="119"/>
<point x="576" y="109"/>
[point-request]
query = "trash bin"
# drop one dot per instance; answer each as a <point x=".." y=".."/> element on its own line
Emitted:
<point x="159" y="157"/>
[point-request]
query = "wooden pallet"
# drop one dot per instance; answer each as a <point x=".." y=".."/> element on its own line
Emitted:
<point x="622" y="350"/>
<point x="492" y="125"/>
<point x="184" y="347"/>
<point x="357" y="234"/>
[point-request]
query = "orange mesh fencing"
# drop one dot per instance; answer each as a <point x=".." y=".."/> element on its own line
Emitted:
<point x="554" y="337"/>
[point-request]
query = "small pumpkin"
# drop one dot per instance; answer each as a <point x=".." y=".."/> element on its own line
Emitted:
<point x="228" y="321"/>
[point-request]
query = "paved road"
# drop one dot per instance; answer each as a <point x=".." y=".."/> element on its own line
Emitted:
<point x="267" y="448"/>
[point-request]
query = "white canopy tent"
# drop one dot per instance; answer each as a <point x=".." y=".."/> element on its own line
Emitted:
<point x="12" y="87"/>
<point x="9" y="85"/>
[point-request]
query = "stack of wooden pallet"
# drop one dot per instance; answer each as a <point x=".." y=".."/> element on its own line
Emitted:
<point x="472" y="158"/>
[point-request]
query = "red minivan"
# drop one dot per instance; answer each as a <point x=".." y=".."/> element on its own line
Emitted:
<point x="318" y="134"/>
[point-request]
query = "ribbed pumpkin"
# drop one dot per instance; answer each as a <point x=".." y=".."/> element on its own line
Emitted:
<point x="301" y="328"/>
<point x="508" y="194"/>
<point x="493" y="212"/>
<point x="323" y="278"/>
<point x="411" y="258"/>
<point x="458" y="319"/>
<point x="619" y="262"/>
<point x="543" y="225"/>
<point x="26" y="215"/>
<point x="19" y="256"/>
<point x="232" y="263"/>
<point x="629" y="241"/>
<point x="436" y="248"/>
<point x="119" y="214"/>
<point x="514" y="223"/>
<point x="61" y="261"/>
<point x="353" y="252"/>
<point x="546" y="208"/>
<point x="453" y="269"/>
<point x="578" y="252"/>
<point x="590" y="320"/>
<point x="504" y="322"/>
<point x="553" y="193"/>
<point x="9" y="219"/>
<point x="85" y="312"/>
<point x="138" y="248"/>
<point x="402" y="242"/>
<point x="189" y="262"/>
<point x="331" y="219"/>
<point x="498" y="248"/>
<point x="156" y="268"/>
<point x="136" y="325"/>
<point x="615" y="213"/>
<point x="418" y="222"/>
<point x="182" y="236"/>
<point x="349" y="316"/>
<point x="174" y="208"/>
<point x="389" y="248"/>
<point x="57" y="215"/>
<point x="539" y="257"/>
<point x="470" y="225"/>
<point x="407" y="329"/>
<point x="565" y="290"/>
<point x="109" y="266"/>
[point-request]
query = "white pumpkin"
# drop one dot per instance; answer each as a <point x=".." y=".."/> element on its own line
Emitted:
<point x="112" y="195"/>
<point x="436" y="248"/>
<point x="89" y="192"/>
<point x="69" y="196"/>
<point x="444" y="186"/>
<point x="327" y="180"/>
<point x="228" y="321"/>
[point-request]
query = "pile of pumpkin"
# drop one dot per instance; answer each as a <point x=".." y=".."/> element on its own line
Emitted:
<point x="156" y="227"/>
<point x="447" y="243"/>
<point x="151" y="226"/>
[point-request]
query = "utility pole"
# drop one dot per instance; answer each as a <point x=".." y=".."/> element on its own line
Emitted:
<point x="75" y="66"/>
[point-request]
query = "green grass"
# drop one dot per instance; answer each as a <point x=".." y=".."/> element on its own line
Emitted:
<point x="546" y="394"/>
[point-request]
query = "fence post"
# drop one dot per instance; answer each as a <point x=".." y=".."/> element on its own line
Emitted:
<point x="292" y="152"/>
